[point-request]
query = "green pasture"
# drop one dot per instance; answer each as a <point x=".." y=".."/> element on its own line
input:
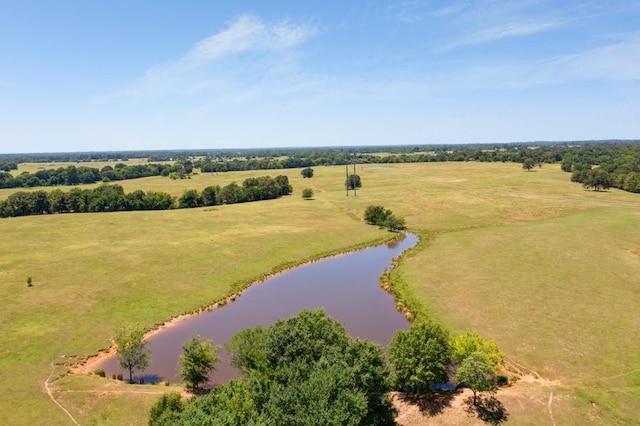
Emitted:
<point x="549" y="270"/>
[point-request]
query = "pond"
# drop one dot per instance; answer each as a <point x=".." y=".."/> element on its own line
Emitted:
<point x="347" y="288"/>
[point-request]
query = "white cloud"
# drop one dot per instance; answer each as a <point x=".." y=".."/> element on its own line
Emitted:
<point x="205" y="68"/>
<point x="250" y="33"/>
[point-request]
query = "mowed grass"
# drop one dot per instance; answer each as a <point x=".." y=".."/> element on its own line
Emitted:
<point x="549" y="270"/>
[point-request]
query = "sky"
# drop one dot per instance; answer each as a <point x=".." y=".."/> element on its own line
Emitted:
<point x="109" y="75"/>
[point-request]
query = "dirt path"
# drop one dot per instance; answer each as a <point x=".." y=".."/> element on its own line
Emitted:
<point x="50" y="393"/>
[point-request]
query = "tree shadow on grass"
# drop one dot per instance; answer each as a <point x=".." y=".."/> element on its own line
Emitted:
<point x="488" y="408"/>
<point x="431" y="403"/>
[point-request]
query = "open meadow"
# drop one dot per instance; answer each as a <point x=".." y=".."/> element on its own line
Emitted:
<point x="549" y="270"/>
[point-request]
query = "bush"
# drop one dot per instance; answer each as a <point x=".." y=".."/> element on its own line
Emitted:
<point x="100" y="372"/>
<point x="502" y="380"/>
<point x="307" y="193"/>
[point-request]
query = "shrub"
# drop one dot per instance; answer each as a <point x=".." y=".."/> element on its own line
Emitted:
<point x="502" y="380"/>
<point x="307" y="193"/>
<point x="100" y="372"/>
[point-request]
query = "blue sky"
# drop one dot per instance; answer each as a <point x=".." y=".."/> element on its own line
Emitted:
<point x="79" y="75"/>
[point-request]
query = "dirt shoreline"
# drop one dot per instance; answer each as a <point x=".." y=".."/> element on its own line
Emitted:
<point x="89" y="365"/>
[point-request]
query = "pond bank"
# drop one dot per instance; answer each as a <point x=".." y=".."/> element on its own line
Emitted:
<point x="240" y="287"/>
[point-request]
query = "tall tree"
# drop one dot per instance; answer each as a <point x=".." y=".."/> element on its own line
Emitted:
<point x="528" y="164"/>
<point x="353" y="181"/>
<point x="598" y="179"/>
<point x="477" y="373"/>
<point x="376" y="215"/>
<point x="131" y="350"/>
<point x="420" y="356"/>
<point x="307" y="172"/>
<point x="198" y="361"/>
<point x="463" y="345"/>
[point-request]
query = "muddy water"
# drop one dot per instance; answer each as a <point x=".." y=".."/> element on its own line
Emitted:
<point x="346" y="287"/>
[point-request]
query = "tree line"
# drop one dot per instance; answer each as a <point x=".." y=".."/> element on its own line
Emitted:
<point x="111" y="197"/>
<point x="306" y="370"/>
<point x="620" y="159"/>
<point x="72" y="175"/>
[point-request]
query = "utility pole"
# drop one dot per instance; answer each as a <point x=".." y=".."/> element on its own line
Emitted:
<point x="354" y="174"/>
<point x="346" y="168"/>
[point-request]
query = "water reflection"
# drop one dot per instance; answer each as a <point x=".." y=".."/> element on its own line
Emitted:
<point x="346" y="287"/>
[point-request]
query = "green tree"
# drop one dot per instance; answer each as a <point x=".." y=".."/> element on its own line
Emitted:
<point x="190" y="199"/>
<point x="376" y="215"/>
<point x="420" y="356"/>
<point x="210" y="195"/>
<point x="232" y="193"/>
<point x="307" y="172"/>
<point x="166" y="410"/>
<point x="528" y="164"/>
<point x="198" y="361"/>
<point x="131" y="350"/>
<point x="307" y="193"/>
<point x="248" y="350"/>
<point x="353" y="181"/>
<point x="463" y="345"/>
<point x="283" y="184"/>
<point x="393" y="223"/>
<point x="304" y="370"/>
<point x="477" y="373"/>
<point x="598" y="179"/>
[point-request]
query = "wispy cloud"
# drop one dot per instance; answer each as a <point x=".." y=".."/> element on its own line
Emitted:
<point x="249" y="33"/>
<point x="504" y="30"/>
<point x="618" y="61"/>
<point x="208" y="67"/>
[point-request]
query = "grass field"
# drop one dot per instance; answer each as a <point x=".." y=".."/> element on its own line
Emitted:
<point x="549" y="270"/>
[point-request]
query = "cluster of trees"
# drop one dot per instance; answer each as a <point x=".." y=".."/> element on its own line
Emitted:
<point x="607" y="166"/>
<point x="379" y="216"/>
<point x="109" y="198"/>
<point x="252" y="189"/>
<point x="105" y="198"/>
<point x="306" y="370"/>
<point x="8" y="165"/>
<point x="72" y="175"/>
